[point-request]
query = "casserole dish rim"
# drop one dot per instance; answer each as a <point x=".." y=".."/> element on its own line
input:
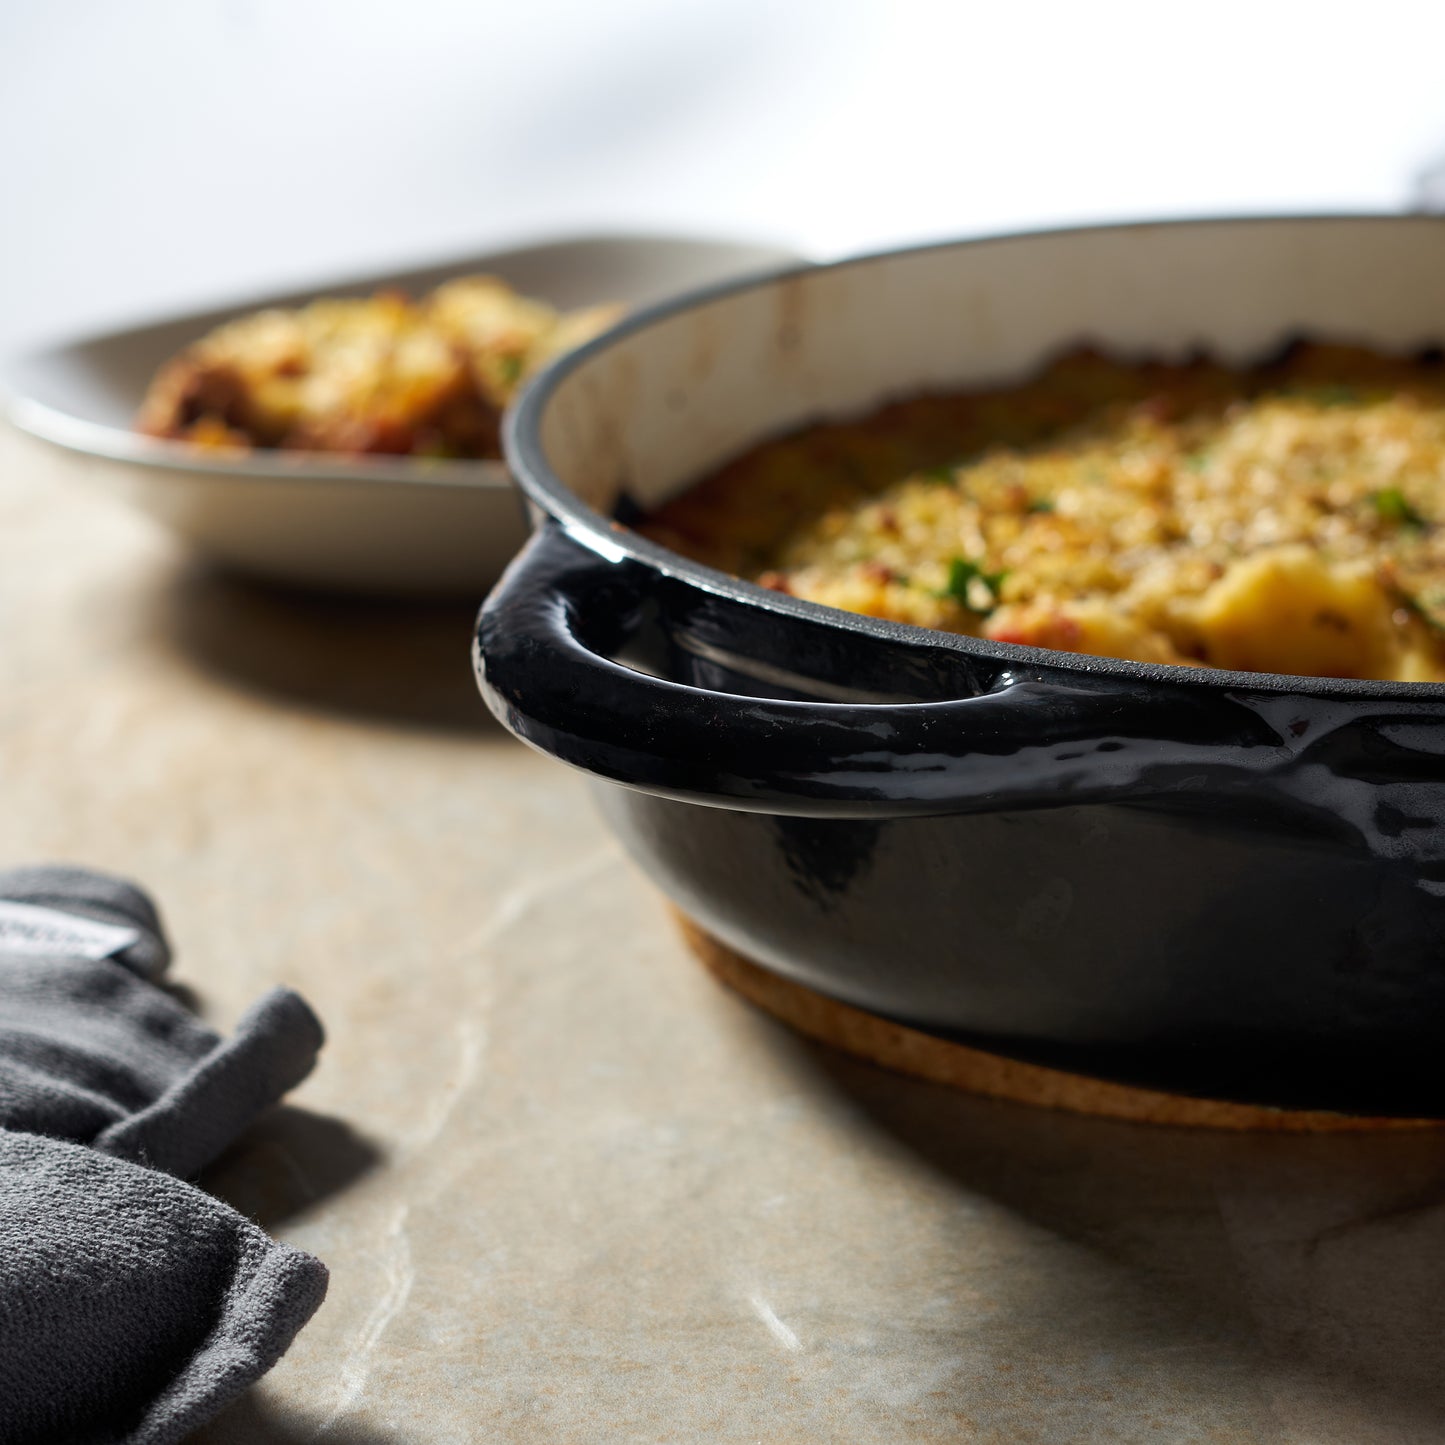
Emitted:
<point x="526" y="456"/>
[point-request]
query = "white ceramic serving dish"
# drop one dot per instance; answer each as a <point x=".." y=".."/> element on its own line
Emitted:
<point x="400" y="526"/>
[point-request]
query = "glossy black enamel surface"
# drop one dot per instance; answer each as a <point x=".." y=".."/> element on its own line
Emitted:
<point x="1218" y="883"/>
<point x="1185" y="951"/>
<point x="1206" y="888"/>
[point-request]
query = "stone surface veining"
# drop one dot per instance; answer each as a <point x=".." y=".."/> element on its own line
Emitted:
<point x="569" y="1190"/>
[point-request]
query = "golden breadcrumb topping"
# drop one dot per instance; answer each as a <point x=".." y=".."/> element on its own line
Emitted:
<point x="381" y="373"/>
<point x="1286" y="518"/>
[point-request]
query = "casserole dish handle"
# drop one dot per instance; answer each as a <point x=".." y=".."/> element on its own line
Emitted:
<point x="545" y="655"/>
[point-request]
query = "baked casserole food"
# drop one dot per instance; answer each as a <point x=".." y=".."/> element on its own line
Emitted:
<point x="378" y="374"/>
<point x="1285" y="518"/>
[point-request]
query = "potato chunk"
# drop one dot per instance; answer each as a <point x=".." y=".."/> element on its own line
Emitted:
<point x="1089" y="625"/>
<point x="1289" y="610"/>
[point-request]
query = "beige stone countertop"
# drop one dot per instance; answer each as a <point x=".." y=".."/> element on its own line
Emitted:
<point x="569" y="1188"/>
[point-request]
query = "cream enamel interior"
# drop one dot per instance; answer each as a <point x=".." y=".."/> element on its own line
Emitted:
<point x="653" y="408"/>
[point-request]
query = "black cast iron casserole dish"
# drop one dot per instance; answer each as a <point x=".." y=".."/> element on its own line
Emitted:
<point x="1230" y="884"/>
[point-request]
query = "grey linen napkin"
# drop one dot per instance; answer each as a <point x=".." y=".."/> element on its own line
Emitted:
<point x="132" y="1306"/>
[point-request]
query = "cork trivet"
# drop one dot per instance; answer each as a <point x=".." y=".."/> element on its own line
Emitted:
<point x="907" y="1051"/>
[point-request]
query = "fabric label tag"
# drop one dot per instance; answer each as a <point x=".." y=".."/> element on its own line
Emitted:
<point x="27" y="929"/>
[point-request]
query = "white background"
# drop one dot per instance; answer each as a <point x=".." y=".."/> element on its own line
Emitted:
<point x="161" y="153"/>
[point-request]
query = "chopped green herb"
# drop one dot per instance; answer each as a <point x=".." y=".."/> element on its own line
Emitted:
<point x="971" y="587"/>
<point x="1392" y="505"/>
<point x="1041" y="504"/>
<point x="1429" y="607"/>
<point x="1197" y="461"/>
<point x="509" y="368"/>
<point x="1335" y="395"/>
<point x="945" y="475"/>
<point x="1432" y="609"/>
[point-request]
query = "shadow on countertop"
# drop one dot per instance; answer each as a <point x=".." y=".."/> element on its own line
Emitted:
<point x="251" y="1420"/>
<point x="287" y="1163"/>
<point x="1311" y="1265"/>
<point x="390" y="661"/>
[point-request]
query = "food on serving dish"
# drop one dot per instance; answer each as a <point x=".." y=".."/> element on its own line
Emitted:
<point x="1288" y="517"/>
<point x="382" y="374"/>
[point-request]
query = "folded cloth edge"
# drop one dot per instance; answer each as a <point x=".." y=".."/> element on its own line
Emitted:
<point x="272" y="1049"/>
<point x="277" y="1290"/>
